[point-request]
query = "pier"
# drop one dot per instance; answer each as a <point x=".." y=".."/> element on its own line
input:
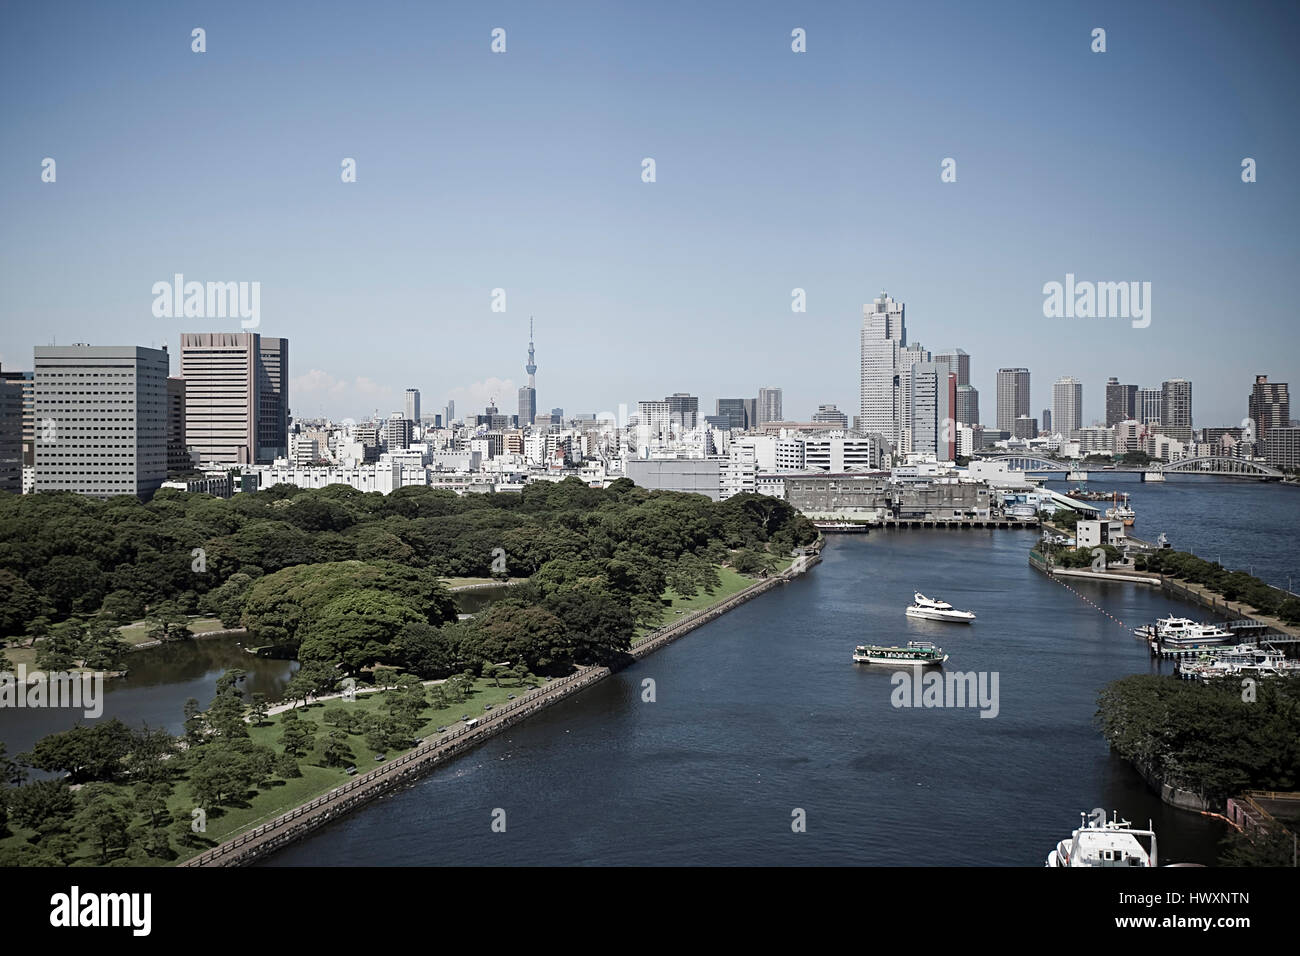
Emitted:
<point x="1244" y="620"/>
<point x="996" y="521"/>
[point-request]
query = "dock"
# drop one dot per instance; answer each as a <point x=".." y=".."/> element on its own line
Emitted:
<point x="998" y="521"/>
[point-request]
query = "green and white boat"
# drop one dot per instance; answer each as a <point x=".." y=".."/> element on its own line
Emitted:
<point x="915" y="654"/>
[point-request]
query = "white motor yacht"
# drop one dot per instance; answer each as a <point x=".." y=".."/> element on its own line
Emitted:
<point x="1113" y="842"/>
<point x="936" y="610"/>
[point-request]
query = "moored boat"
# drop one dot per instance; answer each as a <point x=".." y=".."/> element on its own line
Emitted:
<point x="1251" y="660"/>
<point x="1113" y="842"/>
<point x="1120" y="511"/>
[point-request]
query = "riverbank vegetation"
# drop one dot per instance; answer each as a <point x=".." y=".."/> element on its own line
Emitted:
<point x="82" y="564"/>
<point x="1204" y="737"/>
<point x="1230" y="585"/>
<point x="350" y="585"/>
<point x="147" y="797"/>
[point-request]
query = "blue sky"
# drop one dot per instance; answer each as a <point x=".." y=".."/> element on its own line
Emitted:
<point x="775" y="170"/>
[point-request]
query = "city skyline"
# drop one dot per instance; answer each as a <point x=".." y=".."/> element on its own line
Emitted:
<point x="699" y="264"/>
<point x="403" y="394"/>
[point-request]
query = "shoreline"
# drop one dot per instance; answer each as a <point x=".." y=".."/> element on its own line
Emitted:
<point x="297" y="823"/>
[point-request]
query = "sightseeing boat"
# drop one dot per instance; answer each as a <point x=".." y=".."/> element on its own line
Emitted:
<point x="915" y="654"/>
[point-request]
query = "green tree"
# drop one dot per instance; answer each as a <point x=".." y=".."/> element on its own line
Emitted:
<point x="257" y="709"/>
<point x="84" y="752"/>
<point x="297" y="737"/>
<point x="61" y="649"/>
<point x="1274" y="847"/>
<point x="150" y="801"/>
<point x="336" y="752"/>
<point x="287" y="767"/>
<point x="167" y="621"/>
<point x="102" y="821"/>
<point x="44" y="805"/>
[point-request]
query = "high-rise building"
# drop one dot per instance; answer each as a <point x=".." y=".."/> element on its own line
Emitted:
<point x="413" y="405"/>
<point x="733" y="410"/>
<point x="1067" y="406"/>
<point x="968" y="405"/>
<point x="395" y="433"/>
<point x="1269" y="406"/>
<point x="1046" y="419"/>
<point x="450" y="415"/>
<point x="527" y="406"/>
<point x="1282" y="449"/>
<point x="1013" y="397"/>
<point x="1024" y="427"/>
<point x="682" y="408"/>
<point x="751" y="412"/>
<point x="933" y="395"/>
<point x="28" y="390"/>
<point x="236" y="396"/>
<point x="830" y="415"/>
<point x="178" y="455"/>
<point x="654" y="419"/>
<point x="1148" y="405"/>
<point x="101" y="415"/>
<point x="11" y="434"/>
<point x="884" y="333"/>
<point x="528" y="394"/>
<point x="958" y="362"/>
<point x="907" y="357"/>
<point x="273" y="399"/>
<point x="769" y="405"/>
<point x="1121" y="402"/>
<point x="1176" y="409"/>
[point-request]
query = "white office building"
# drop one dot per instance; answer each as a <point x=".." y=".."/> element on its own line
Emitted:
<point x="837" y="455"/>
<point x="1067" y="406"/>
<point x="100" y="419"/>
<point x="884" y="334"/>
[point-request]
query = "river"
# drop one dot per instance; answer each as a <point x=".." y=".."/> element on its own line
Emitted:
<point x="761" y="713"/>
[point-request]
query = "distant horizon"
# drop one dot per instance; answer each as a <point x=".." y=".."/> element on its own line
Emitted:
<point x="977" y="157"/>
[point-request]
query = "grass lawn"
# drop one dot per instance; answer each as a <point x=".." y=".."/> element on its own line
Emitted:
<point x="137" y="633"/>
<point x="732" y="583"/>
<point x="283" y="795"/>
<point x="467" y="582"/>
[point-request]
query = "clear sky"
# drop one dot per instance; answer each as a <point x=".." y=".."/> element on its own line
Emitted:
<point x="775" y="170"/>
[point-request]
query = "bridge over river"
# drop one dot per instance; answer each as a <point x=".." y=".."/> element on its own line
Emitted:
<point x="1213" y="465"/>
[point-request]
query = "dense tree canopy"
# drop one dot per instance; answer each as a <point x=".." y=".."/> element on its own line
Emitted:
<point x="349" y="577"/>
<point x="1205" y="737"/>
<point x="1233" y="585"/>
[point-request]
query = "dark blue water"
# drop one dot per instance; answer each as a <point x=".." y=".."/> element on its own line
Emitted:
<point x="159" y="681"/>
<point x="1246" y="525"/>
<point x="762" y="712"/>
